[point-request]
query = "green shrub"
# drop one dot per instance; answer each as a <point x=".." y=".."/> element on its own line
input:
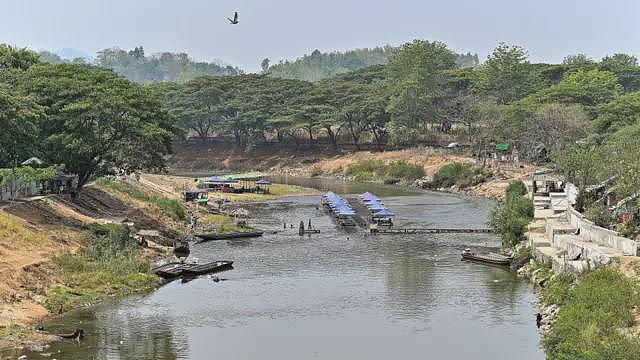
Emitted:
<point x="316" y="172"/>
<point x="460" y="174"/>
<point x="511" y="217"/>
<point x="517" y="188"/>
<point x="599" y="214"/>
<point x="521" y="257"/>
<point x="587" y="325"/>
<point x="558" y="289"/>
<point x="109" y="266"/>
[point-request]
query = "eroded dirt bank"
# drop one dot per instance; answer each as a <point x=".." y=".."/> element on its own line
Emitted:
<point x="206" y="158"/>
<point x="35" y="232"/>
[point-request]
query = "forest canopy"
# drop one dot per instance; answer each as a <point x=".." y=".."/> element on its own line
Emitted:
<point x="574" y="114"/>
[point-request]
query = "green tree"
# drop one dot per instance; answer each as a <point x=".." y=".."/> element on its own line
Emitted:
<point x="586" y="87"/>
<point x="416" y="81"/>
<point x="507" y="75"/>
<point x="20" y="118"/>
<point x="264" y="65"/>
<point x="620" y="112"/>
<point x="98" y="123"/>
<point x="626" y="68"/>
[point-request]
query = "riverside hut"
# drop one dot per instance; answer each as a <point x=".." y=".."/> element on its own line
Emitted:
<point x="263" y="186"/>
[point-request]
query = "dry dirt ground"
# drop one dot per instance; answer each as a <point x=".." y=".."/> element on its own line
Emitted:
<point x="33" y="232"/>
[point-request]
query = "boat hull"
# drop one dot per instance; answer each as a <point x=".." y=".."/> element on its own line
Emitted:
<point x="493" y="259"/>
<point x="237" y="235"/>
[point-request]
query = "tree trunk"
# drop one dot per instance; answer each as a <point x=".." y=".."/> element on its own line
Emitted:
<point x="378" y="138"/>
<point x="333" y="137"/>
<point x="356" y="137"/>
<point x="310" y="130"/>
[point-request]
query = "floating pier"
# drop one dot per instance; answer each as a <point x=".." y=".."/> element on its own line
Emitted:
<point x="390" y="231"/>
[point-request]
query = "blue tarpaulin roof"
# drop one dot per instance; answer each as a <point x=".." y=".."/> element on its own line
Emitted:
<point x="376" y="206"/>
<point x="383" y="213"/>
<point x="263" y="182"/>
<point x="215" y="179"/>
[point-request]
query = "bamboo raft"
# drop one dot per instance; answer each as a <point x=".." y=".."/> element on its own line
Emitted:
<point x="389" y="231"/>
<point x="177" y="269"/>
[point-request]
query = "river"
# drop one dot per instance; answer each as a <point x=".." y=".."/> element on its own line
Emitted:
<point x="337" y="295"/>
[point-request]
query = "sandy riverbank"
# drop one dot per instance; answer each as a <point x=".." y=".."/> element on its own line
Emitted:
<point x="208" y="159"/>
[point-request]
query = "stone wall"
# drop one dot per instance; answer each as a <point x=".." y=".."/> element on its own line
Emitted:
<point x="601" y="236"/>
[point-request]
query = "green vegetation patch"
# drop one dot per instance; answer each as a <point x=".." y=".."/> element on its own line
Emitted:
<point x="109" y="267"/>
<point x="592" y="315"/>
<point x="224" y="224"/>
<point x="170" y="207"/>
<point x="378" y="170"/>
<point x="511" y="216"/>
<point x="460" y="174"/>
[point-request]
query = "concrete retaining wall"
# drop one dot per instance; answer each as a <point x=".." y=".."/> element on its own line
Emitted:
<point x="601" y="236"/>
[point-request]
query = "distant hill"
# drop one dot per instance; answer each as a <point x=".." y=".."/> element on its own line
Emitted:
<point x="318" y="66"/>
<point x="166" y="66"/>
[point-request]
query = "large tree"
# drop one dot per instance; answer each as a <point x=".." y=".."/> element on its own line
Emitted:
<point x="20" y="117"/>
<point x="98" y="123"/>
<point x="507" y="75"/>
<point x="417" y="82"/>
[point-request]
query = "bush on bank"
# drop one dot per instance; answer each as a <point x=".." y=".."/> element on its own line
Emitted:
<point x="594" y="311"/>
<point x="459" y="174"/>
<point x="109" y="267"/>
<point x="512" y="215"/>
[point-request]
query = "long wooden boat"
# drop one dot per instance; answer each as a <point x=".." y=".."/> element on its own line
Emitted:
<point x="208" y="268"/>
<point x="489" y="258"/>
<point x="170" y="270"/>
<point x="226" y="236"/>
<point x="176" y="269"/>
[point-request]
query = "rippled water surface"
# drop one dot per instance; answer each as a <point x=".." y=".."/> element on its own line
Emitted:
<point x="337" y="295"/>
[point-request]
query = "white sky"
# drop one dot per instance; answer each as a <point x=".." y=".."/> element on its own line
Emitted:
<point x="286" y="29"/>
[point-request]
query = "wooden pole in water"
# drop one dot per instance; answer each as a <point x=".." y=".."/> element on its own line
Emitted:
<point x="301" y="228"/>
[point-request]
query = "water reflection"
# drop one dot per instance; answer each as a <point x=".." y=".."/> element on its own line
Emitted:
<point x="334" y="295"/>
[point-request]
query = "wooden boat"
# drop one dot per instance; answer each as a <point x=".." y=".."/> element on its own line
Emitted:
<point x="234" y="235"/>
<point x="208" y="268"/>
<point x="176" y="269"/>
<point x="170" y="270"/>
<point x="489" y="258"/>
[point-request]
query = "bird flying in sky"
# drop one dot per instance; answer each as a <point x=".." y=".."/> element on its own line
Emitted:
<point x="234" y="21"/>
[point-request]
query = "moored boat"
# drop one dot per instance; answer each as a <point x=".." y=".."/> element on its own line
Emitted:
<point x="175" y="269"/>
<point x="227" y="236"/>
<point x="489" y="258"/>
<point x="208" y="268"/>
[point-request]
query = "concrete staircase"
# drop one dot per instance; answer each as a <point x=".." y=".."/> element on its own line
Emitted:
<point x="556" y="241"/>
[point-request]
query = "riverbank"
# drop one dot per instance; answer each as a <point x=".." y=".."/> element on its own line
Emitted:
<point x="204" y="158"/>
<point x="588" y="287"/>
<point x="333" y="288"/>
<point x="61" y="254"/>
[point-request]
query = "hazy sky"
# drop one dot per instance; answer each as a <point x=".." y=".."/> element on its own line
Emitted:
<point x="286" y="29"/>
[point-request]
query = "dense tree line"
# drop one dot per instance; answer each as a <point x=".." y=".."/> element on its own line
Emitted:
<point x="318" y="66"/>
<point x="84" y="118"/>
<point x="422" y="93"/>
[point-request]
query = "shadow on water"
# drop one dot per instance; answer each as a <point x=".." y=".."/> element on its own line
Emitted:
<point x="333" y="295"/>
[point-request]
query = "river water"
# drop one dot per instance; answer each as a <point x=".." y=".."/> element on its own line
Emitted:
<point x="337" y="295"/>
